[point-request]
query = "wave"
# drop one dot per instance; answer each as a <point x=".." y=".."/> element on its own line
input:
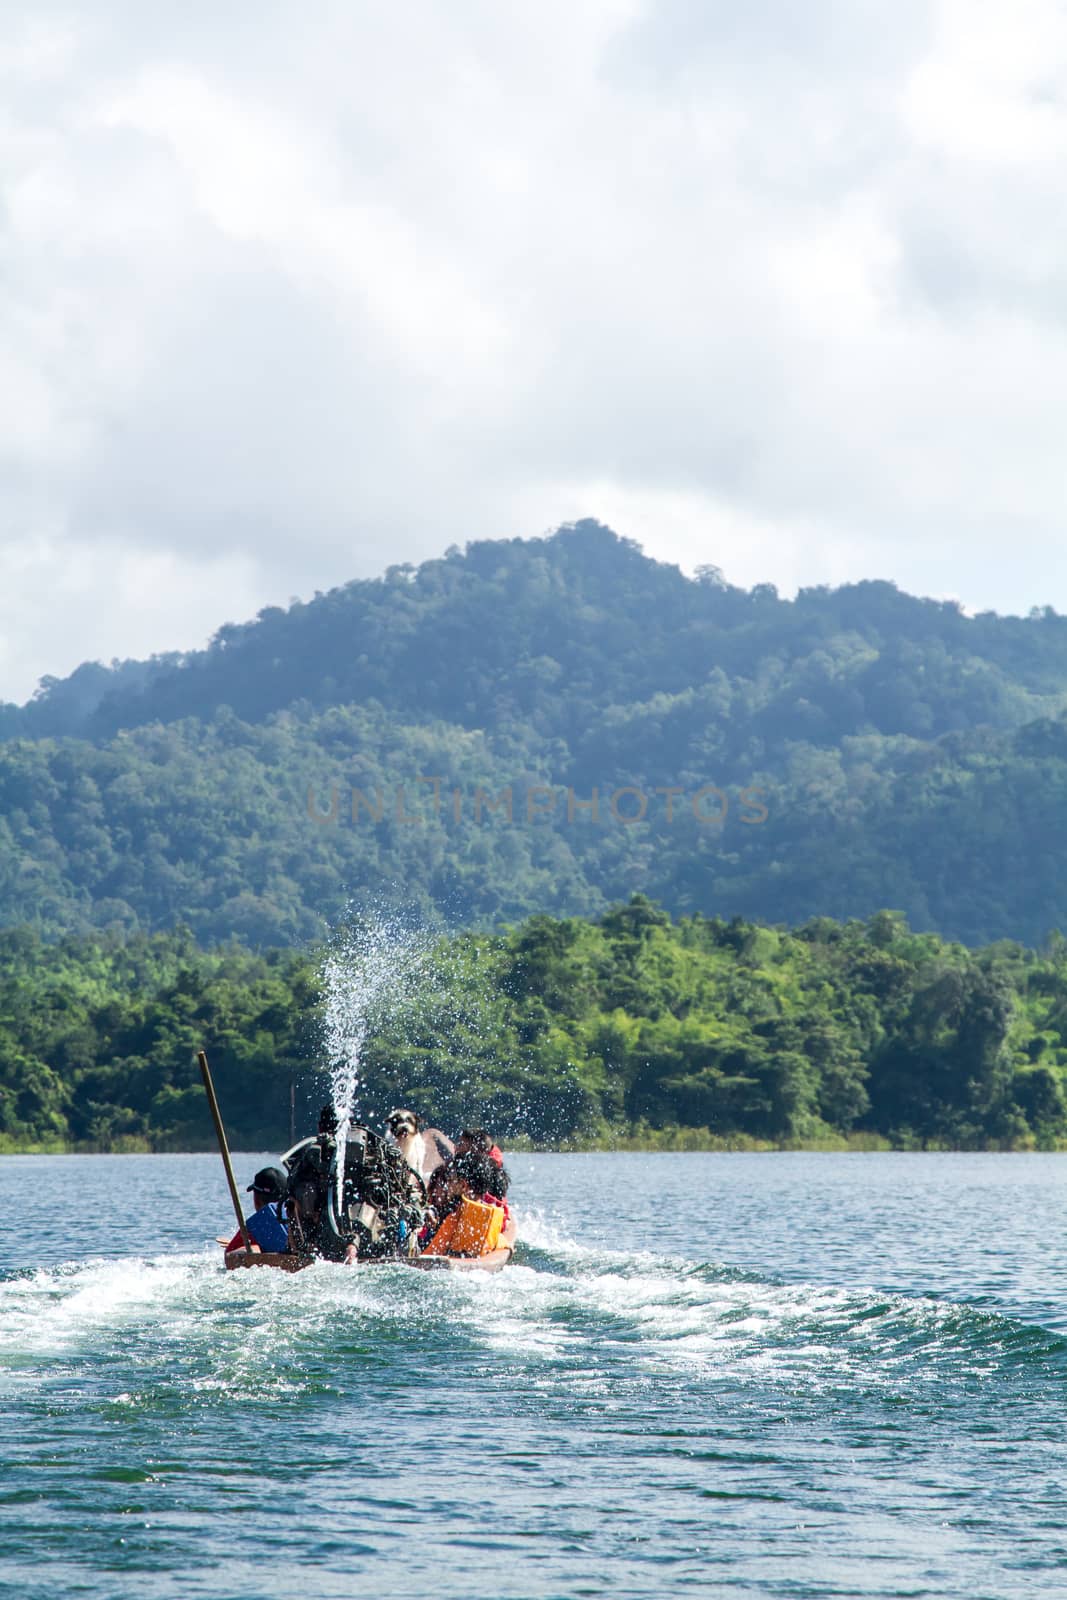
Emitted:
<point x="724" y="1324"/>
<point x="562" y="1313"/>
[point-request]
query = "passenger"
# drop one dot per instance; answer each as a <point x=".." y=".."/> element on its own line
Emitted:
<point x="479" y="1178"/>
<point x="439" y="1190"/>
<point x="477" y="1140"/>
<point x="467" y="1177"/>
<point x="499" y="1183"/>
<point x="444" y="1196"/>
<point x="266" y="1227"/>
<point x="473" y="1139"/>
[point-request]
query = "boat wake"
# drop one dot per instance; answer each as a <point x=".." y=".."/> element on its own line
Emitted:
<point x="561" y="1314"/>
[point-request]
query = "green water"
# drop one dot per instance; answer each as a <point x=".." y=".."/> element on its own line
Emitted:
<point x="782" y="1375"/>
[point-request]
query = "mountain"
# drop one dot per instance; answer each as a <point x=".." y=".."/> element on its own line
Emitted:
<point x="554" y="630"/>
<point x="851" y="749"/>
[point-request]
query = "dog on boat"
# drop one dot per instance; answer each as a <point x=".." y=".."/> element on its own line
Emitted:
<point x="424" y="1149"/>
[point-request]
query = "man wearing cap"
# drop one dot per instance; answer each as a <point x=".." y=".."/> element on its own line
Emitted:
<point x="265" y="1226"/>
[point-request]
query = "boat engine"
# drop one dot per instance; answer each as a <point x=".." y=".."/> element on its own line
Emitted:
<point x="377" y="1204"/>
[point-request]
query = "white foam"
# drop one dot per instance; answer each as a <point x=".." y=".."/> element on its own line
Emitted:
<point x="583" y="1312"/>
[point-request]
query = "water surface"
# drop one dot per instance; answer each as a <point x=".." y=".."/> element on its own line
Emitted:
<point x="767" y="1375"/>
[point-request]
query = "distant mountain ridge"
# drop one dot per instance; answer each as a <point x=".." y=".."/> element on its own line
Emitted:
<point x="580" y="612"/>
<point x="899" y="754"/>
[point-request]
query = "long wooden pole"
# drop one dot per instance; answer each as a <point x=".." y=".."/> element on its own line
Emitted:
<point x="224" y="1149"/>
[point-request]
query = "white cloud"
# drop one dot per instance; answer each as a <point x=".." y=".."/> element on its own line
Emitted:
<point x="777" y="288"/>
<point x="991" y="90"/>
<point x="90" y="592"/>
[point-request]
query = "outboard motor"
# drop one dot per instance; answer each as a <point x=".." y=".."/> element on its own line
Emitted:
<point x="377" y="1205"/>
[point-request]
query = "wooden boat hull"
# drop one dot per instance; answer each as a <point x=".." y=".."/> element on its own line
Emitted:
<point x="493" y="1262"/>
<point x="487" y="1263"/>
<point x="267" y="1258"/>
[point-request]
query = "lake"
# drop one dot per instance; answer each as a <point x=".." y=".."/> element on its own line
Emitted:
<point x="765" y="1375"/>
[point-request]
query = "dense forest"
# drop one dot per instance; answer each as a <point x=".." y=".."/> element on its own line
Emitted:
<point x="438" y="734"/>
<point x="634" y="1026"/>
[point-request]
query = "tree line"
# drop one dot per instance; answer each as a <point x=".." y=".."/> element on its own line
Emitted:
<point x="627" y="1027"/>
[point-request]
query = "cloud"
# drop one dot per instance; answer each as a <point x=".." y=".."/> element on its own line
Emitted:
<point x="95" y="592"/>
<point x="284" y="301"/>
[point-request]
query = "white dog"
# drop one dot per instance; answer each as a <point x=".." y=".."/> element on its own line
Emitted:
<point x="424" y="1149"/>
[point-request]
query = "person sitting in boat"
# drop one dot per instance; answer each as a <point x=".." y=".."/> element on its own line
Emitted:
<point x="472" y="1221"/>
<point x="499" y="1182"/>
<point x="266" y="1226"/>
<point x="486" y="1181"/>
<point x="440" y="1197"/>
<point x="478" y="1141"/>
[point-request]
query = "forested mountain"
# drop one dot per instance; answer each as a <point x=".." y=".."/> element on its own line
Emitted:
<point x="852" y="749"/>
<point x="629" y="1027"/>
<point x="553" y="632"/>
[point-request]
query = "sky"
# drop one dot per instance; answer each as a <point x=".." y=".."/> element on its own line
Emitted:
<point x="288" y="295"/>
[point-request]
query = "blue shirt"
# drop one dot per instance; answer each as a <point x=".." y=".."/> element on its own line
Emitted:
<point x="266" y="1227"/>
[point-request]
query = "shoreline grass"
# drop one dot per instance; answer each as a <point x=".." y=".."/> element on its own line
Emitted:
<point x="666" y="1141"/>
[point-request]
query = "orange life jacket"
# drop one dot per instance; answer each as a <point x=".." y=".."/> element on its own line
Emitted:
<point x="473" y="1229"/>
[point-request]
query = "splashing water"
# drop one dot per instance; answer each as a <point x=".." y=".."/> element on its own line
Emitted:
<point x="391" y="983"/>
<point x="369" y="979"/>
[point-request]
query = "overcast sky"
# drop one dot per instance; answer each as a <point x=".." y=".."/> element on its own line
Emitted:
<point x="780" y="287"/>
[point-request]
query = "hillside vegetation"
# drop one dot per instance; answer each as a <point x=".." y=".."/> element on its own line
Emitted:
<point x="851" y="749"/>
<point x="632" y="1026"/>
